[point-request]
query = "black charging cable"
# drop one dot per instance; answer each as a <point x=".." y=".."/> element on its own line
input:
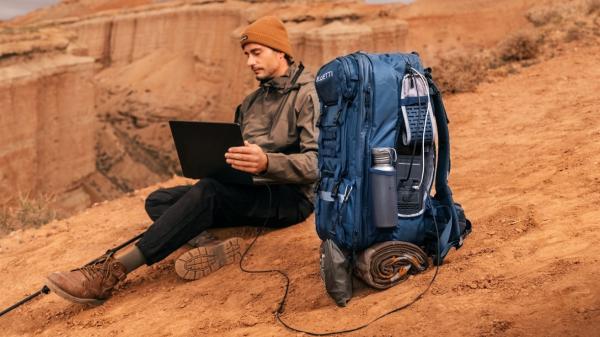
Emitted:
<point x="259" y="232"/>
<point x="281" y="308"/>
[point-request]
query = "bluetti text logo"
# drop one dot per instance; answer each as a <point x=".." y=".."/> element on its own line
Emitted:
<point x="325" y="76"/>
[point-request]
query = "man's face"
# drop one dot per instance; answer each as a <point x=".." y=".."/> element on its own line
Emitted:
<point x="264" y="61"/>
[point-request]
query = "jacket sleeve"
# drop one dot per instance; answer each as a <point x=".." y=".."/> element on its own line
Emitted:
<point x="299" y="168"/>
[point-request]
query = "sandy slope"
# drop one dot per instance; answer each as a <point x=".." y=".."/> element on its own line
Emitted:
<point x="525" y="156"/>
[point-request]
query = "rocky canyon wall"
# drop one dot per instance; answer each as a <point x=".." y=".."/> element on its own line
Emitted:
<point x="47" y="119"/>
<point x="91" y="118"/>
<point x="203" y="32"/>
<point x="208" y="32"/>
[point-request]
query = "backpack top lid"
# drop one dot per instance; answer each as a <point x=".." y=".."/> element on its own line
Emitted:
<point x="335" y="81"/>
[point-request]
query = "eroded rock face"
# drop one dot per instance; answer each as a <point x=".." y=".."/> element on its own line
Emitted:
<point x="47" y="123"/>
<point x="323" y="43"/>
<point x="116" y="78"/>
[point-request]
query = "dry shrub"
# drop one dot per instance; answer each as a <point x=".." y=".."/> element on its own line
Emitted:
<point x="593" y="6"/>
<point x="28" y="212"/>
<point x="541" y="16"/>
<point x="557" y="13"/>
<point x="563" y="22"/>
<point x="519" y="47"/>
<point x="5" y="221"/>
<point x="460" y="73"/>
<point x="463" y="72"/>
<point x="573" y="34"/>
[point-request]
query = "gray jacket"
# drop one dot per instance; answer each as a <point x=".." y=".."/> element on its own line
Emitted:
<point x="281" y="118"/>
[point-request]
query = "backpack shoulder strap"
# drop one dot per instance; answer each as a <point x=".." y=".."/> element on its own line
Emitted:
<point x="441" y="180"/>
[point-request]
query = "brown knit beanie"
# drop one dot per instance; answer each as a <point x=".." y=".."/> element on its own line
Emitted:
<point x="268" y="31"/>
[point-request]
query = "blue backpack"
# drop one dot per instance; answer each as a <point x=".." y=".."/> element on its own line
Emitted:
<point x="373" y="101"/>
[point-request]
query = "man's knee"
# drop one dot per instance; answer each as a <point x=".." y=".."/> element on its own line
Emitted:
<point x="160" y="200"/>
<point x="154" y="202"/>
<point x="206" y="187"/>
<point x="157" y="197"/>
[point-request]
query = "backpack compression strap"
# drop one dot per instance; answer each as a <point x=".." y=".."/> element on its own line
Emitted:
<point x="443" y="193"/>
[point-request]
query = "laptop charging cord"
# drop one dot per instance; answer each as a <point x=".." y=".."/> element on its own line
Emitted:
<point x="281" y="306"/>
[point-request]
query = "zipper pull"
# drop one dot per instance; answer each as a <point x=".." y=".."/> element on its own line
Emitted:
<point x="347" y="193"/>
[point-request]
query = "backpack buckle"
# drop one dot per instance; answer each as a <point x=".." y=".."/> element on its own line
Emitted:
<point x="318" y="185"/>
<point x="339" y="110"/>
<point x="338" y="115"/>
<point x="336" y="188"/>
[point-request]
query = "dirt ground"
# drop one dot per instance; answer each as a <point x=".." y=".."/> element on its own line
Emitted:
<point x="525" y="167"/>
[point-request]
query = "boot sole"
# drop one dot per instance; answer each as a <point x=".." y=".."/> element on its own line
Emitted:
<point x="199" y="262"/>
<point x="58" y="291"/>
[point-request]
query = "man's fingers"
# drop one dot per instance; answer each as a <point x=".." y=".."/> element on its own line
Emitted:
<point x="241" y="149"/>
<point x="241" y="156"/>
<point x="242" y="163"/>
<point x="246" y="158"/>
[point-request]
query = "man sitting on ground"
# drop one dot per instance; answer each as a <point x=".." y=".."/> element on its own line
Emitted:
<point x="278" y="123"/>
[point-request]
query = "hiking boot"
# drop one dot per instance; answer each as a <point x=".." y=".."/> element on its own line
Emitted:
<point x="200" y="262"/>
<point x="92" y="284"/>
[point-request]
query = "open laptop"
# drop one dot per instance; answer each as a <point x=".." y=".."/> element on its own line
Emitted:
<point x="201" y="148"/>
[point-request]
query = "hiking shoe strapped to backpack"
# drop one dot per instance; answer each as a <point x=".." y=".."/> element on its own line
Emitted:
<point x="204" y="260"/>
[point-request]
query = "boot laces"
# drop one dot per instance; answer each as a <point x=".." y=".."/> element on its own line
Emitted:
<point x="102" y="268"/>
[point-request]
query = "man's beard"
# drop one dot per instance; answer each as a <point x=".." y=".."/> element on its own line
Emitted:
<point x="264" y="79"/>
<point x="266" y="76"/>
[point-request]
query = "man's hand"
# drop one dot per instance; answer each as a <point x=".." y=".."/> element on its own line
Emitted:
<point x="248" y="158"/>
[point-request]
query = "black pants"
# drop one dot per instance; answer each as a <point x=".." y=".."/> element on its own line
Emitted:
<point x="181" y="213"/>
